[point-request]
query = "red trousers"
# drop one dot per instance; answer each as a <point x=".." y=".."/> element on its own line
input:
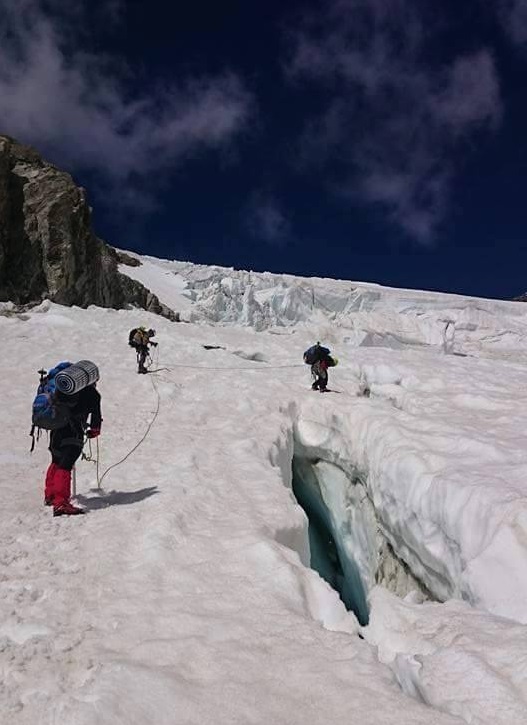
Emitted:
<point x="58" y="485"/>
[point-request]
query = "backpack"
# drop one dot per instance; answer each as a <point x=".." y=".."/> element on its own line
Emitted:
<point x="315" y="353"/>
<point x="48" y="413"/>
<point x="131" y="337"/>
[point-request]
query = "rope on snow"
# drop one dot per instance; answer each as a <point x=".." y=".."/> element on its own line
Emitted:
<point x="151" y="362"/>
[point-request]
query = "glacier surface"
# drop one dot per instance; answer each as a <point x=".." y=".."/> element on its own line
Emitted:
<point x="186" y="596"/>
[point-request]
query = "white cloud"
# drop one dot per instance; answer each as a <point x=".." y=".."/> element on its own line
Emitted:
<point x="393" y="118"/>
<point x="513" y="17"/>
<point x="81" y="109"/>
<point x="469" y="94"/>
<point x="265" y="219"/>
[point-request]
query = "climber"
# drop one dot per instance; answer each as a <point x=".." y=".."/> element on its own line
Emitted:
<point x="66" y="445"/>
<point x="140" y="338"/>
<point x="320" y="359"/>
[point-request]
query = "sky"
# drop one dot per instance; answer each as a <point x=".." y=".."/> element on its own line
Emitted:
<point x="374" y="140"/>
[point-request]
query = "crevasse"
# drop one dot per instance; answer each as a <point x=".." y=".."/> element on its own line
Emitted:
<point x="347" y="546"/>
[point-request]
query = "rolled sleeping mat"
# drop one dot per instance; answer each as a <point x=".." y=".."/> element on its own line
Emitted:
<point x="76" y="377"/>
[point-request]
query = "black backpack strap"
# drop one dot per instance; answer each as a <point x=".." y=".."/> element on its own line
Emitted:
<point x="32" y="434"/>
<point x="33" y="437"/>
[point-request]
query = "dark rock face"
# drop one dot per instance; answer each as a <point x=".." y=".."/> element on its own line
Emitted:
<point x="124" y="258"/>
<point x="47" y="246"/>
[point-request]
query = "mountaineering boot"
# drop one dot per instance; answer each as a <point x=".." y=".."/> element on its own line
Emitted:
<point x="49" y="486"/>
<point x="67" y="509"/>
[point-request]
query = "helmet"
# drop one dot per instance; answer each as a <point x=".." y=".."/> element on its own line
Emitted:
<point x="151" y="333"/>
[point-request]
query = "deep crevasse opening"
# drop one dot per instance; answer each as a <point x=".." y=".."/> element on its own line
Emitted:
<point x="347" y="545"/>
<point x="328" y="542"/>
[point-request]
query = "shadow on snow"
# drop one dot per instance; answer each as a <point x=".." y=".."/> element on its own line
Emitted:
<point x="115" y="498"/>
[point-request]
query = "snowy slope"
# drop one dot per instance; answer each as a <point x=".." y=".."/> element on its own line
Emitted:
<point x="185" y="595"/>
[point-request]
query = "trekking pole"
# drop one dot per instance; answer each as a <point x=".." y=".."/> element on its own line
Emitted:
<point x="90" y="457"/>
<point x="97" y="464"/>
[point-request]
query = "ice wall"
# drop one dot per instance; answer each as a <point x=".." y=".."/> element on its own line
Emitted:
<point x="461" y="534"/>
<point x="332" y="549"/>
<point x="370" y="315"/>
<point x="340" y="511"/>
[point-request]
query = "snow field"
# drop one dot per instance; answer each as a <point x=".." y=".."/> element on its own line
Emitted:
<point x="431" y="655"/>
<point x="185" y="595"/>
<point x="177" y="598"/>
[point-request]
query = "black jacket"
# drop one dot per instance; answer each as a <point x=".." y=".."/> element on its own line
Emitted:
<point x="87" y="402"/>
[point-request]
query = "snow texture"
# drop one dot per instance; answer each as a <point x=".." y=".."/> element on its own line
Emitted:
<point x="185" y="595"/>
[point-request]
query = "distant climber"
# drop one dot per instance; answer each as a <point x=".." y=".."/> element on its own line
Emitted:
<point x="140" y="338"/>
<point x="65" y="399"/>
<point x="320" y="359"/>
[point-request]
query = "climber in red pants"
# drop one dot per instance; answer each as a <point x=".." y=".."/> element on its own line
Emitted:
<point x="66" y="445"/>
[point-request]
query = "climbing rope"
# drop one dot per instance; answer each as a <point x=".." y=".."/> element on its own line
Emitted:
<point x="224" y="368"/>
<point x="139" y="443"/>
<point x="91" y="458"/>
<point x="155" y="361"/>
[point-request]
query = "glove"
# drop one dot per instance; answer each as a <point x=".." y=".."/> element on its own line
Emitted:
<point x="154" y="344"/>
<point x="93" y="432"/>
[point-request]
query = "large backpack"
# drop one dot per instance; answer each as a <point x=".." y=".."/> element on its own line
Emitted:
<point x="48" y="412"/>
<point x="315" y="353"/>
<point x="131" y="337"/>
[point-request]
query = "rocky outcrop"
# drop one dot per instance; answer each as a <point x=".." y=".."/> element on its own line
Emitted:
<point x="124" y="258"/>
<point x="47" y="246"/>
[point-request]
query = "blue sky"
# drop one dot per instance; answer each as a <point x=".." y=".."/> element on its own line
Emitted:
<point x="378" y="140"/>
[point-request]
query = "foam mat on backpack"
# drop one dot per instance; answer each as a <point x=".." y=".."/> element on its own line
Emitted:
<point x="76" y="377"/>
